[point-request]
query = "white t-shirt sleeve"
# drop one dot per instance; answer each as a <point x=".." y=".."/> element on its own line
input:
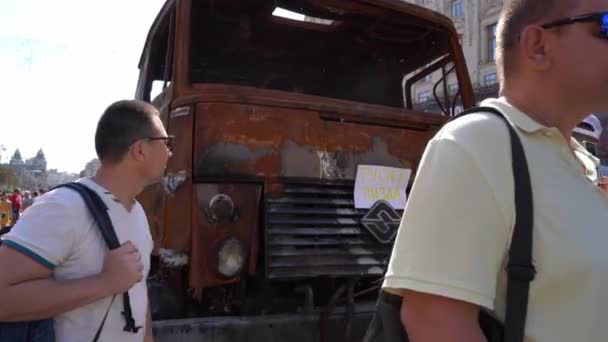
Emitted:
<point x="453" y="236"/>
<point x="47" y="230"/>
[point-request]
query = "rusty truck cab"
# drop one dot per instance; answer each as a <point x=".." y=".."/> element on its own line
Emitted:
<point x="273" y="105"/>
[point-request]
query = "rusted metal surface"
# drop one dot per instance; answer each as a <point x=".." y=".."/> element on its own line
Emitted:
<point x="218" y="93"/>
<point x="178" y="210"/>
<point x="153" y="197"/>
<point x="171" y="182"/>
<point x="266" y="141"/>
<point x="208" y="234"/>
<point x="301" y="327"/>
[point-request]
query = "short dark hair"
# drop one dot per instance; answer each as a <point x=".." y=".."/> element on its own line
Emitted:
<point x="122" y="123"/>
<point x="515" y="16"/>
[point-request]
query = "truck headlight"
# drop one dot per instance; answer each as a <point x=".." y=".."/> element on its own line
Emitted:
<point x="230" y="257"/>
<point x="221" y="209"/>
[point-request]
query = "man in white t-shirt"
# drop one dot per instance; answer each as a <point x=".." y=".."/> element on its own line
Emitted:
<point x="56" y="264"/>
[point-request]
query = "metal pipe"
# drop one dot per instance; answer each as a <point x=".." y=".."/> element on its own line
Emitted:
<point x="427" y="71"/>
<point x="308" y="293"/>
<point x="328" y="310"/>
<point x="350" y="310"/>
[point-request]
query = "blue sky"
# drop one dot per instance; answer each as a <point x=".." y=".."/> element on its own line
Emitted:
<point x="61" y="63"/>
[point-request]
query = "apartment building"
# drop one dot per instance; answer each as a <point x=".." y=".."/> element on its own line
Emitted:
<point x="475" y="21"/>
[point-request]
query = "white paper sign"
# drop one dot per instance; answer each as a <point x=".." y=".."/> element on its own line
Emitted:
<point x="375" y="183"/>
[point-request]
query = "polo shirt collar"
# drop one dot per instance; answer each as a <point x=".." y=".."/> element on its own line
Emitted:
<point x="518" y="118"/>
<point x="525" y="123"/>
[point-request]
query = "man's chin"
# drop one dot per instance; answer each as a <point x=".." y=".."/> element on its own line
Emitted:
<point x="154" y="181"/>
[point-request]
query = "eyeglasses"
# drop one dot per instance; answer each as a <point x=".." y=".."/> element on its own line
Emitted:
<point x="169" y="141"/>
<point x="600" y="17"/>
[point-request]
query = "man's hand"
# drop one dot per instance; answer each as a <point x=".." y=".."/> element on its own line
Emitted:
<point x="431" y="318"/>
<point x="122" y="268"/>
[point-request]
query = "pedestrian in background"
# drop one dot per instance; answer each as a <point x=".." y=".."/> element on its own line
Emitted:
<point x="17" y="204"/>
<point x="6" y="211"/>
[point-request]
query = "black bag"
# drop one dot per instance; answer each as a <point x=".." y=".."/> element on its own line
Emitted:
<point x="42" y="330"/>
<point x="5" y="230"/>
<point x="386" y="324"/>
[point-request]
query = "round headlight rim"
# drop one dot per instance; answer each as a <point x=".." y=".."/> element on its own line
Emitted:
<point x="217" y="251"/>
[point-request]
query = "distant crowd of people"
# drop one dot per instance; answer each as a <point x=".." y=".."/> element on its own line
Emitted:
<point x="13" y="204"/>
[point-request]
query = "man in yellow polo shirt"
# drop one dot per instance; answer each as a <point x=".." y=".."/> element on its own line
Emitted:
<point x="451" y="250"/>
<point x="5" y="211"/>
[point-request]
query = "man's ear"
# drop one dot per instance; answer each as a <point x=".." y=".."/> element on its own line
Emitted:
<point x="536" y="48"/>
<point x="137" y="151"/>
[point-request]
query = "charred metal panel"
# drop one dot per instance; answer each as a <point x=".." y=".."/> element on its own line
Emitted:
<point x="176" y="230"/>
<point x="152" y="198"/>
<point x="314" y="230"/>
<point x="304" y="161"/>
<point x="296" y="161"/>
<point x="301" y="327"/>
<point x="248" y="140"/>
<point x="171" y="182"/>
<point x="208" y="232"/>
<point x="220" y="157"/>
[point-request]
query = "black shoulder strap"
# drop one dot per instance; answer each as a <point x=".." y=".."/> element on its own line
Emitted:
<point x="103" y="321"/>
<point x="520" y="269"/>
<point x="99" y="211"/>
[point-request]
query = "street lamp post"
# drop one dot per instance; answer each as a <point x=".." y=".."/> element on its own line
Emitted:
<point x="2" y="149"/>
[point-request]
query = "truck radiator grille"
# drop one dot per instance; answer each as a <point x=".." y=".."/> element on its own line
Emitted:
<point x="315" y="230"/>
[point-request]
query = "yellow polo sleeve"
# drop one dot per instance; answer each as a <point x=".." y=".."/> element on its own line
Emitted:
<point x="453" y="236"/>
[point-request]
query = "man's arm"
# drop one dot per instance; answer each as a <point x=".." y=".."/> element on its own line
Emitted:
<point x="149" y="337"/>
<point x="431" y="318"/>
<point x="28" y="292"/>
<point x="448" y="261"/>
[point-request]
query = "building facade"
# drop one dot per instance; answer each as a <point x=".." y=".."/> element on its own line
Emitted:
<point x="475" y="22"/>
<point x="31" y="173"/>
<point x="91" y="168"/>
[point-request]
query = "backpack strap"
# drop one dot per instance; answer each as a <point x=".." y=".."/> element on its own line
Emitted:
<point x="99" y="211"/>
<point x="103" y="321"/>
<point x="520" y="269"/>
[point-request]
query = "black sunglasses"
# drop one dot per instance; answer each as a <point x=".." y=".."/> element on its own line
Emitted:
<point x="599" y="17"/>
<point x="169" y="141"/>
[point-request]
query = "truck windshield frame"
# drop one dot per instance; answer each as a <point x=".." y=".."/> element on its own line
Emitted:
<point x="356" y="58"/>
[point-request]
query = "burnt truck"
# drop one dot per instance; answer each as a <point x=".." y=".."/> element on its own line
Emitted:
<point x="275" y="106"/>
